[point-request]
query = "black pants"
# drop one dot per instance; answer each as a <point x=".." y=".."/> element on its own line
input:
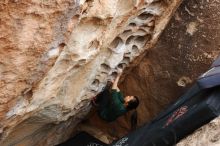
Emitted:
<point x="103" y="99"/>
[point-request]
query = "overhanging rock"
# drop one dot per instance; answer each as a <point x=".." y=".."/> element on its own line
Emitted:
<point x="56" y="55"/>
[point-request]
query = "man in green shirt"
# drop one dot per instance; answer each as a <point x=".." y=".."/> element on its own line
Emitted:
<point x="112" y="104"/>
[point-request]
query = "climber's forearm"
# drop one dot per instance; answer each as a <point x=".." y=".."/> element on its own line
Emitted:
<point x="115" y="83"/>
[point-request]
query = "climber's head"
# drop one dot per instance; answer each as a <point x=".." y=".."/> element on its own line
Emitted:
<point x="131" y="102"/>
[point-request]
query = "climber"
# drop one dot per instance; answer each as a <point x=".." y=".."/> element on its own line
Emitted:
<point x="111" y="104"/>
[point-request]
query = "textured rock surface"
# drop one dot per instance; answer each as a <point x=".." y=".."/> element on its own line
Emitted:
<point x="56" y="55"/>
<point x="205" y="22"/>
<point x="186" y="49"/>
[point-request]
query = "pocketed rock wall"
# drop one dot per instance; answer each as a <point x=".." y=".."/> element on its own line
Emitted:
<point x="56" y="55"/>
<point x="185" y="50"/>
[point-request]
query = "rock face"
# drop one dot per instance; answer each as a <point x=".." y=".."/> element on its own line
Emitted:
<point x="56" y="55"/>
<point x="184" y="51"/>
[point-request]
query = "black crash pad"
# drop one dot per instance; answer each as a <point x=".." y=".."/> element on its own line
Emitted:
<point x="83" y="139"/>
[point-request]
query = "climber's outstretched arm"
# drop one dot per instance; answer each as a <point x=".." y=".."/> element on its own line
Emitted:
<point x="115" y="83"/>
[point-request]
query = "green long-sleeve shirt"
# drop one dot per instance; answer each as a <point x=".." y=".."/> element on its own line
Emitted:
<point x="115" y="108"/>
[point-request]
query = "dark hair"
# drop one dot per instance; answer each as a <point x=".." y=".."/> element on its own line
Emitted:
<point x="133" y="104"/>
<point x="133" y="120"/>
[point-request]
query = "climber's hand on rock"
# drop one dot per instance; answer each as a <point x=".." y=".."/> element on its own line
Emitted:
<point x="115" y="83"/>
<point x="120" y="71"/>
<point x="111" y="80"/>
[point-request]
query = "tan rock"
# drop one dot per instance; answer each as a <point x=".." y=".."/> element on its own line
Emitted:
<point x="56" y="55"/>
<point x="178" y="57"/>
